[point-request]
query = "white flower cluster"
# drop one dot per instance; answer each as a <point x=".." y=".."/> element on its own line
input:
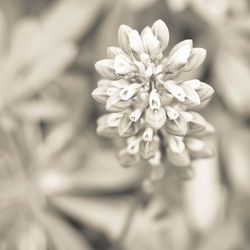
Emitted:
<point x="147" y="104"/>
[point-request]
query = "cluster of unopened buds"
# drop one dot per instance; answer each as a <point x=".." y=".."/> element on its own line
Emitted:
<point x="147" y="105"/>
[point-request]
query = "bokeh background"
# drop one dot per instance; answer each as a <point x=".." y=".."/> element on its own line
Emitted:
<point x="61" y="186"/>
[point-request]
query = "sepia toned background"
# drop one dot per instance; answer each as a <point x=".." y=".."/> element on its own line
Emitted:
<point x="61" y="186"/>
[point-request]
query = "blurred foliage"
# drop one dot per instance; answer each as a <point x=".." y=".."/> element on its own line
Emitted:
<point x="62" y="186"/>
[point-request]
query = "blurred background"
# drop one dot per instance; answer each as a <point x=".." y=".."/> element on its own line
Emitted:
<point x="61" y="186"/>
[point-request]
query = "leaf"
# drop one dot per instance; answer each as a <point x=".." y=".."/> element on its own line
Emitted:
<point x="177" y="5"/>
<point x="63" y="235"/>
<point x="232" y="78"/>
<point x="106" y="214"/>
<point x="56" y="139"/>
<point x="31" y="236"/>
<point x="41" y="110"/>
<point x="149" y="228"/>
<point x="140" y="4"/>
<point x="99" y="178"/>
<point x="27" y="30"/>
<point x="235" y="152"/>
<point x="71" y="19"/>
<point x="75" y="92"/>
<point x="46" y="69"/>
<point x="3" y="32"/>
<point x="224" y="237"/>
<point x="52" y="64"/>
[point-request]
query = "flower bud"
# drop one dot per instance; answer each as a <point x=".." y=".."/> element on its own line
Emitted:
<point x="179" y="45"/>
<point x="123" y="37"/>
<point x="197" y="124"/>
<point x="177" y="127"/>
<point x="176" y="90"/>
<point x="100" y="94"/>
<point x="154" y="100"/>
<point x="123" y="65"/>
<point x="135" y="42"/>
<point x="161" y="31"/>
<point x="179" y="59"/>
<point x="106" y="69"/>
<point x="127" y="127"/>
<point x="115" y="103"/>
<point x="194" y="84"/>
<point x="197" y="57"/>
<point x="155" y="118"/>
<point x="172" y="114"/>
<point x="129" y="91"/>
<point x="112" y="52"/>
<point x="135" y="115"/>
<point x="192" y="97"/>
<point x="209" y="130"/>
<point x="148" y="134"/>
<point x="205" y="92"/>
<point x="113" y="119"/>
<point x="104" y="128"/>
<point x="151" y="44"/>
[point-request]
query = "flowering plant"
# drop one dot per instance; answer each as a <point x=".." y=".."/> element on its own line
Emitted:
<point x="149" y="107"/>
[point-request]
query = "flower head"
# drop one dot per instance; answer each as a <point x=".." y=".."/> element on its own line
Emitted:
<point x="151" y="108"/>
